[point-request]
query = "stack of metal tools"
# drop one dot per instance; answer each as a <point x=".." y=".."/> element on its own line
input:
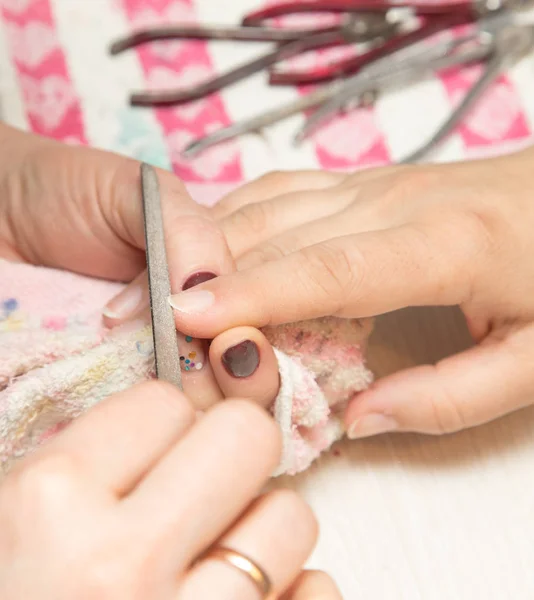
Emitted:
<point x="396" y="43"/>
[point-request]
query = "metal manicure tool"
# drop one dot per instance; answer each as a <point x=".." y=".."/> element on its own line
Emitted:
<point x="498" y="38"/>
<point x="166" y="352"/>
<point x="394" y="54"/>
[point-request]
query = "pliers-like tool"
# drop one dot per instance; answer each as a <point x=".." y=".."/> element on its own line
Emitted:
<point x="352" y="29"/>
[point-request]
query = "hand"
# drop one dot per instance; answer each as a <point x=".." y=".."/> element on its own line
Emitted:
<point x="81" y="521"/>
<point x="380" y="240"/>
<point x="80" y="209"/>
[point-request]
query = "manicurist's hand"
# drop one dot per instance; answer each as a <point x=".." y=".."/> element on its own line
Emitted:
<point x="80" y="209"/>
<point x="365" y="244"/>
<point x="132" y="500"/>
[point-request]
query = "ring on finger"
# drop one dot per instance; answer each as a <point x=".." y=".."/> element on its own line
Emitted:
<point x="244" y="564"/>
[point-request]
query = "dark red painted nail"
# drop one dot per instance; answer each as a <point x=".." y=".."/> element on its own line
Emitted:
<point x="242" y="359"/>
<point x="197" y="279"/>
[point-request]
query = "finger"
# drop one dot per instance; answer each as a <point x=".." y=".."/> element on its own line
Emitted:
<point x="353" y="276"/>
<point x="266" y="230"/>
<point x="129" y="303"/>
<point x="313" y="585"/>
<point x="139" y="425"/>
<point x="337" y="224"/>
<point x="206" y="255"/>
<point x="278" y="533"/>
<point x="196" y="252"/>
<point x="198" y="379"/>
<point x="245" y="365"/>
<point x="465" y="390"/>
<point x="206" y="480"/>
<point x="260" y="221"/>
<point x="259" y="215"/>
<point x="276" y="183"/>
<point x="196" y="247"/>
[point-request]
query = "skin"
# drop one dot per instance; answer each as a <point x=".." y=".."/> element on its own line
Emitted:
<point x="122" y="522"/>
<point x="80" y="209"/>
<point x="380" y="240"/>
<point x="366" y="243"/>
<point x="88" y="524"/>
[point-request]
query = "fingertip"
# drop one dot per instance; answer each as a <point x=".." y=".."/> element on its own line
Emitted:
<point x="423" y="399"/>
<point x="129" y="303"/>
<point x="245" y="365"/>
<point x="109" y="318"/>
<point x="245" y="419"/>
<point x="373" y="411"/>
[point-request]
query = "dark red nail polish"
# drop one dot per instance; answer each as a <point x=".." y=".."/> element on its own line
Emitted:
<point x="242" y="359"/>
<point x="197" y="279"/>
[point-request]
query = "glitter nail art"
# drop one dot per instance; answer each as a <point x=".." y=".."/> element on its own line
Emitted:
<point x="191" y="359"/>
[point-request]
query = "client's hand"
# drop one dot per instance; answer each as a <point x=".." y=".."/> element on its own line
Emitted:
<point x="380" y="240"/>
<point x="129" y="501"/>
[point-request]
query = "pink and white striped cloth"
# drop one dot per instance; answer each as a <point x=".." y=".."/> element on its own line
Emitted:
<point x="58" y="80"/>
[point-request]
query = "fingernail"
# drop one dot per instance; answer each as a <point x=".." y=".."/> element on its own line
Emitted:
<point x="125" y="304"/>
<point x="191" y="357"/>
<point x="371" y="424"/>
<point x="197" y="279"/>
<point x="242" y="359"/>
<point x="192" y="302"/>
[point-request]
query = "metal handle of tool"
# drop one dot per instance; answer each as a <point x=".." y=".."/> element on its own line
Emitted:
<point x="396" y="71"/>
<point x="257" y="123"/>
<point x="511" y="43"/>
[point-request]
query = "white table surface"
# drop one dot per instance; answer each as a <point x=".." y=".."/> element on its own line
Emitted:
<point x="418" y="517"/>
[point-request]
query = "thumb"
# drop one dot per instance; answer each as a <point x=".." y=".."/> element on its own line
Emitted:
<point x="196" y="247"/>
<point x="462" y="391"/>
<point x="352" y="276"/>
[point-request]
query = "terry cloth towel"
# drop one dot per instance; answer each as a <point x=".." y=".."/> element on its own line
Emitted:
<point x="57" y="360"/>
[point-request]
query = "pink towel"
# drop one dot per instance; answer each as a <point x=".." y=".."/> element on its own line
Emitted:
<point x="57" y="360"/>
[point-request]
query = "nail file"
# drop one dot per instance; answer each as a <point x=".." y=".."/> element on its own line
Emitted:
<point x="166" y="351"/>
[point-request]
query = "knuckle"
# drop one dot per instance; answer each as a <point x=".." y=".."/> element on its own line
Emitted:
<point x="274" y="179"/>
<point x="444" y="257"/>
<point x="333" y="271"/>
<point x="253" y="218"/>
<point x="482" y="225"/>
<point x="468" y="238"/>
<point x="272" y="251"/>
<point x="413" y="180"/>
<point x="43" y="477"/>
<point x="265" y="253"/>
<point x="198" y="226"/>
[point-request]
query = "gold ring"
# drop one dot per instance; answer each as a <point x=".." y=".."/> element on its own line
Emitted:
<point x="244" y="564"/>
